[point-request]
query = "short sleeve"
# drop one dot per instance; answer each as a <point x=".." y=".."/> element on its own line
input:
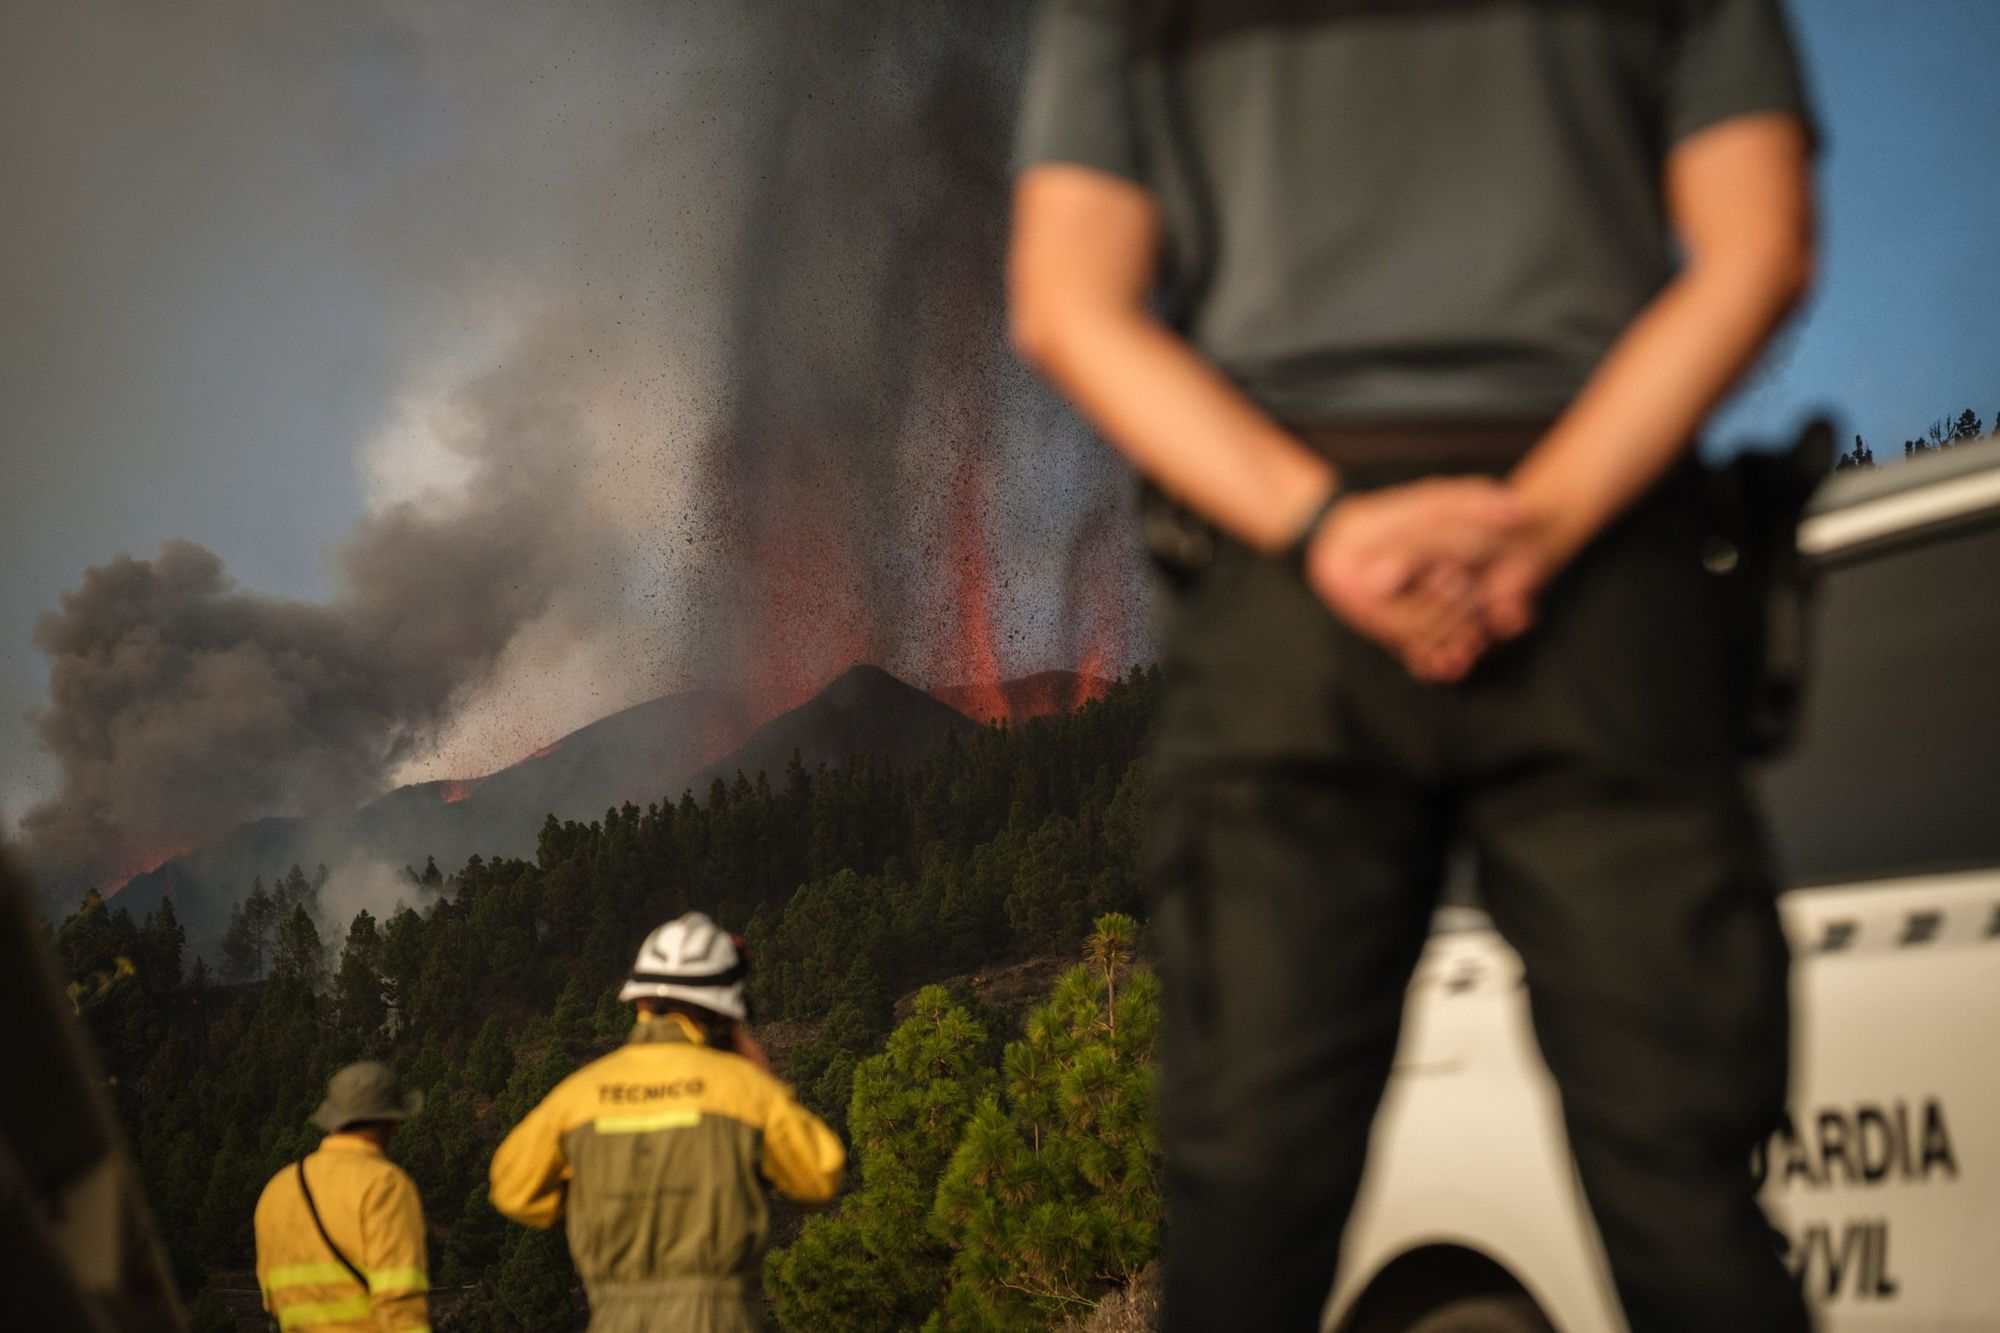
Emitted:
<point x="1734" y="58"/>
<point x="1077" y="104"/>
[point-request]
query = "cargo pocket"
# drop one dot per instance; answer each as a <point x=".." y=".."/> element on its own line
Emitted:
<point x="1640" y="646"/>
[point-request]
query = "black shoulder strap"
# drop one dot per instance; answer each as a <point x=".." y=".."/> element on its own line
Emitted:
<point x="313" y="1208"/>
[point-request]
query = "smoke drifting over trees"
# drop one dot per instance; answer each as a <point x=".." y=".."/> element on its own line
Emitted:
<point x="702" y="380"/>
<point x="181" y="705"/>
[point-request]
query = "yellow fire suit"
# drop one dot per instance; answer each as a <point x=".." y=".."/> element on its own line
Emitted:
<point x="371" y="1211"/>
<point x="655" y="1154"/>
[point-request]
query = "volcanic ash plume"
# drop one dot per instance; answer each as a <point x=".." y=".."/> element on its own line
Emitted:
<point x="871" y="475"/>
<point x="181" y="705"/>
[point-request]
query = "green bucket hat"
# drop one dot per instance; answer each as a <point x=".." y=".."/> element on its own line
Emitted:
<point x="362" y="1092"/>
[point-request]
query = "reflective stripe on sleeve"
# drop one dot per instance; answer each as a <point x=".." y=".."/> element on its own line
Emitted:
<point x="326" y="1312"/>
<point x="306" y="1275"/>
<point x="398" y="1279"/>
<point x="681" y="1118"/>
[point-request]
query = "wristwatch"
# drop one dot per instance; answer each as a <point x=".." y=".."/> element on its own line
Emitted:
<point x="1296" y="551"/>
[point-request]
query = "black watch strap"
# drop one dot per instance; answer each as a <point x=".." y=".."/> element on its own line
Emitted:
<point x="1296" y="550"/>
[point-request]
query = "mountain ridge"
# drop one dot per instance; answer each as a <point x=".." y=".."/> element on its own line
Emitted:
<point x="651" y="751"/>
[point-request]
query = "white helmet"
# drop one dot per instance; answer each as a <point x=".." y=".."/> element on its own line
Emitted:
<point x="690" y="959"/>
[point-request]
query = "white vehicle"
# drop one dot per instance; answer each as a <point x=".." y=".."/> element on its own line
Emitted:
<point x="1886" y="815"/>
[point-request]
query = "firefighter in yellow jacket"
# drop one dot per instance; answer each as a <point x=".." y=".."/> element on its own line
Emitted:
<point x="340" y="1234"/>
<point x="658" y="1153"/>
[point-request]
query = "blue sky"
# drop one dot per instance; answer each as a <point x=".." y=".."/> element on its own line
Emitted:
<point x="1905" y="324"/>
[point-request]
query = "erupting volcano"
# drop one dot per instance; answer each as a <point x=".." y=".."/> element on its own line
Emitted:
<point x="1013" y="702"/>
<point x="718" y="454"/>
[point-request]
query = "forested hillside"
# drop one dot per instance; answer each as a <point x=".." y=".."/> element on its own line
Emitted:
<point x="851" y="885"/>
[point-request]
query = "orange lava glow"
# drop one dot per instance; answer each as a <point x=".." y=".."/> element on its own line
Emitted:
<point x="143" y="860"/>
<point x="454" y="791"/>
<point x="812" y="616"/>
<point x="1098" y="616"/>
<point x="1012" y="702"/>
<point x="969" y="558"/>
<point x="546" y="750"/>
<point x="1098" y="666"/>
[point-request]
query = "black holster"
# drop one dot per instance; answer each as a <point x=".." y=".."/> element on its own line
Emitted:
<point x="1754" y="504"/>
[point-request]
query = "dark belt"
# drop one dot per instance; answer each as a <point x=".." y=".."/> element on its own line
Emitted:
<point x="1368" y="455"/>
<point x="1424" y="447"/>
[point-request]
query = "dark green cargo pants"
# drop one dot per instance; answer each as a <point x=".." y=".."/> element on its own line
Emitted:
<point x="1307" y="789"/>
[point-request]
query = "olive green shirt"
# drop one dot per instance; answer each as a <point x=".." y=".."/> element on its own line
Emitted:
<point x="1392" y="210"/>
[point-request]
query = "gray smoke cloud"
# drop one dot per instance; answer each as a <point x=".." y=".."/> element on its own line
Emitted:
<point x="698" y="377"/>
<point x="182" y="705"/>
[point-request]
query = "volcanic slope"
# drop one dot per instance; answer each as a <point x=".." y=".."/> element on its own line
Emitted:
<point x="652" y="751"/>
<point x="644" y="753"/>
<point x="865" y="711"/>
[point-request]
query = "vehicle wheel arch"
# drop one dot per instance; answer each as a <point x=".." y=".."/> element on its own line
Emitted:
<point x="1425" y="1279"/>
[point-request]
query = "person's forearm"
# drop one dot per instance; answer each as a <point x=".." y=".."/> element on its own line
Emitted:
<point x="1641" y="409"/>
<point x="1181" y="423"/>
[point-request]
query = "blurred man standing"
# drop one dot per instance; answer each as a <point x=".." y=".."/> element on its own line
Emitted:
<point x="340" y="1233"/>
<point x="1416" y="307"/>
<point x="658" y="1153"/>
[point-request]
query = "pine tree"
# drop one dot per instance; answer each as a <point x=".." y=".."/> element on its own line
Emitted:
<point x="537" y="1285"/>
<point x="295" y="890"/>
<point x="1109" y="950"/>
<point x="860" y="1017"/>
<point x="1859" y="456"/>
<point x="874" y="1264"/>
<point x="162" y="943"/>
<point x="223" y="1219"/>
<point x="490" y="1062"/>
<point x="247" y="943"/>
<point x="299" y="955"/>
<point x="358" y="987"/>
<point x="476" y="1238"/>
<point x="86" y="942"/>
<point x="207" y="1314"/>
<point x="406" y="944"/>
<point x="1052" y="1200"/>
<point x="575" y="1012"/>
